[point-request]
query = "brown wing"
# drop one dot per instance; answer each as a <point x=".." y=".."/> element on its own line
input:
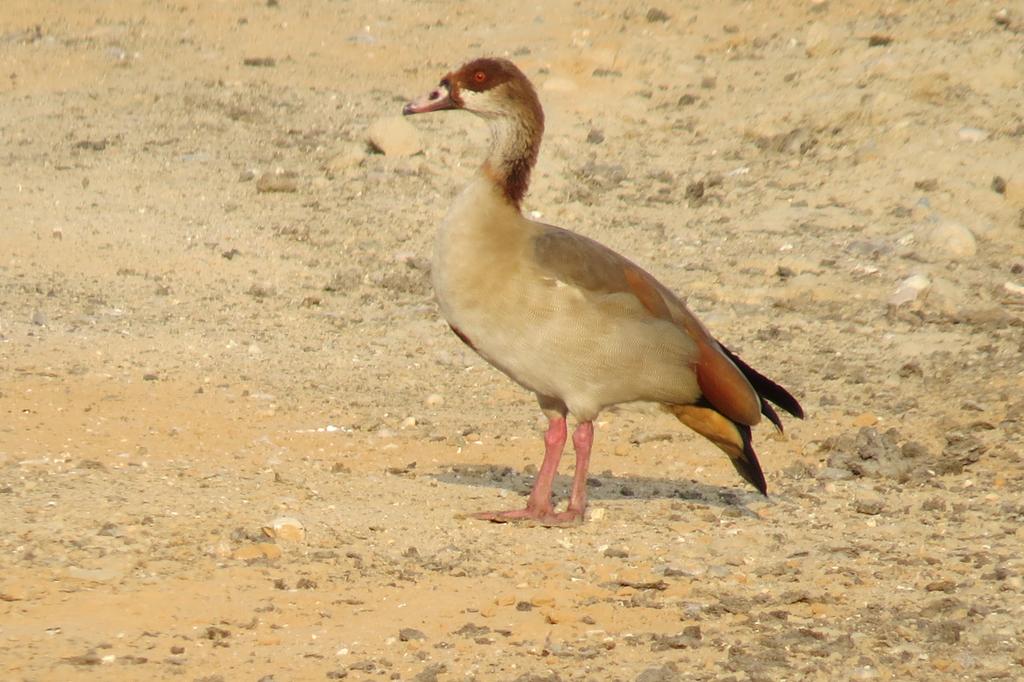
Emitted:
<point x="586" y="264"/>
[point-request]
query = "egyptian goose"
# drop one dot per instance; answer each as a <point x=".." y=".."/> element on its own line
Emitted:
<point x="567" y="318"/>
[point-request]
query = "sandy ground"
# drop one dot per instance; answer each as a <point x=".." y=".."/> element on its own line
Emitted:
<point x="215" y="314"/>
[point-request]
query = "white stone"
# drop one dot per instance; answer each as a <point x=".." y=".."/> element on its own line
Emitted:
<point x="951" y="240"/>
<point x="909" y="289"/>
<point x="969" y="134"/>
<point x="285" y="528"/>
<point x="1015" y="289"/>
<point x="394" y="136"/>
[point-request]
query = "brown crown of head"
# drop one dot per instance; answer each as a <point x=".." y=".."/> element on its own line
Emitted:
<point x="481" y="75"/>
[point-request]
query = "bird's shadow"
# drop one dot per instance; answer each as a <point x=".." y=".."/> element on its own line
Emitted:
<point x="603" y="487"/>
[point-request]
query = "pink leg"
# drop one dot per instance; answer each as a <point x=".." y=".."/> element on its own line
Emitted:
<point x="538" y="506"/>
<point x="582" y="440"/>
<point x="554" y="444"/>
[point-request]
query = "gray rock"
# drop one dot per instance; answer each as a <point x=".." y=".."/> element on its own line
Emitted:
<point x="277" y="182"/>
<point x="430" y="673"/>
<point x="869" y="503"/>
<point x="472" y="630"/>
<point x="868" y="453"/>
<point x="688" y="639"/>
<point x="664" y="673"/>
<point x="409" y="634"/>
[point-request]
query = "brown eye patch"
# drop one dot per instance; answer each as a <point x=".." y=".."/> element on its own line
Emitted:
<point x="483" y="74"/>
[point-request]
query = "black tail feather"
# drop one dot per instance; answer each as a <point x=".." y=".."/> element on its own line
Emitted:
<point x="773" y="416"/>
<point x="768" y="390"/>
<point x="749" y="468"/>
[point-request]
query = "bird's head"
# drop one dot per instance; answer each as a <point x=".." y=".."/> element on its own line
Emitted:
<point x="488" y="87"/>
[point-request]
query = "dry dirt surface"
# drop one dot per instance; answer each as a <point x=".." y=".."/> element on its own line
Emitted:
<point x="237" y="442"/>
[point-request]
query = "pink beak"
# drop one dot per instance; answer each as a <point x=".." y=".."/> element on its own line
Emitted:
<point x="438" y="99"/>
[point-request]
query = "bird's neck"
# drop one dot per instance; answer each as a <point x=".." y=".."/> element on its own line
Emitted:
<point x="515" y="142"/>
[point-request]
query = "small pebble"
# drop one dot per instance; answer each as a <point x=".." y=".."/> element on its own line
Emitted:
<point x="655" y="15"/>
<point x="89" y="658"/>
<point x="641" y="437"/>
<point x="410" y="634"/>
<point x="969" y="134"/>
<point x="277" y="183"/>
<point x="941" y="586"/>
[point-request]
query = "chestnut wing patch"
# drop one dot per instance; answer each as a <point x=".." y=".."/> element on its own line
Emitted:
<point x="584" y="263"/>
